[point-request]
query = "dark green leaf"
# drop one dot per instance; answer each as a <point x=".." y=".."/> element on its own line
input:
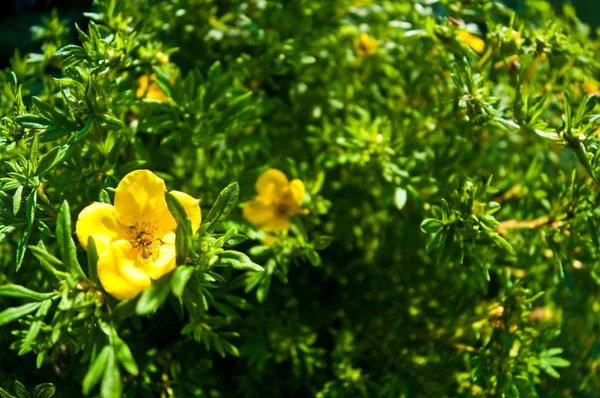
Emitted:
<point x="322" y="242"/>
<point x="36" y="122"/>
<point x="154" y="296"/>
<point x="20" y="390"/>
<point x="45" y="390"/>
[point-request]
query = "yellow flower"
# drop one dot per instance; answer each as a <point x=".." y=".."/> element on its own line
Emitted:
<point x="591" y="87"/>
<point x="135" y="238"/>
<point x="476" y="43"/>
<point x="147" y="88"/>
<point x="365" y="45"/>
<point x="278" y="200"/>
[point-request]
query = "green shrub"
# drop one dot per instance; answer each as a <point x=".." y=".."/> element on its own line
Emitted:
<point x="432" y="231"/>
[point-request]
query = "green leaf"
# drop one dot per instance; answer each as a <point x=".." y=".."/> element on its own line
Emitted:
<point x="66" y="245"/>
<point x="322" y="242"/>
<point x="125" y="357"/>
<point x="178" y="212"/>
<point x="45" y="390"/>
<point x="3" y="392"/>
<point x="181" y="276"/>
<point x="35" y="327"/>
<point x="92" y="258"/>
<point x="163" y="82"/>
<point x="558" y="362"/>
<point x="17" y="291"/>
<point x="81" y="133"/>
<point x="238" y="260"/>
<point x="400" y="197"/>
<point x="431" y="225"/>
<point x="111" y="379"/>
<point x="313" y="257"/>
<point x="223" y="205"/>
<point x="110" y="123"/>
<point x="20" y="390"/>
<point x="17" y="199"/>
<point x="47" y="162"/>
<point x="182" y="244"/>
<point x="96" y="370"/>
<point x="238" y="302"/>
<point x="32" y="121"/>
<point x="10" y="314"/>
<point x="154" y="296"/>
<point x="29" y="218"/>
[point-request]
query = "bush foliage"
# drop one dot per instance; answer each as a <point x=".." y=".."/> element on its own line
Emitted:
<point x="447" y="243"/>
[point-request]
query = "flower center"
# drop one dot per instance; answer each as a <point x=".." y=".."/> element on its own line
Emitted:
<point x="285" y="205"/>
<point x="143" y="236"/>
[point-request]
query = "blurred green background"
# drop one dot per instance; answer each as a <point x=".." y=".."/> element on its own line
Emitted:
<point x="17" y="16"/>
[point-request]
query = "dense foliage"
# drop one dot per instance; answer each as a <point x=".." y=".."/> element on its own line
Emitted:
<point x="446" y="243"/>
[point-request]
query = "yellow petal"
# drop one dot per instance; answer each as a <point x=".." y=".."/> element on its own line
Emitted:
<point x="192" y="209"/>
<point x="164" y="263"/>
<point x="269" y="239"/>
<point x="118" y="271"/>
<point x="277" y="223"/>
<point x="476" y="43"/>
<point x="258" y="211"/>
<point x="271" y="183"/>
<point x="98" y="220"/>
<point x="297" y="189"/>
<point x="140" y="196"/>
<point x="143" y="82"/>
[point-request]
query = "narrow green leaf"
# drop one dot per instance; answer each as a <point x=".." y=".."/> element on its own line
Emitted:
<point x="111" y="379"/>
<point x="29" y="218"/>
<point x="17" y="197"/>
<point x="96" y="370"/>
<point x="178" y="211"/>
<point x="36" y="122"/>
<point x="92" y="257"/>
<point x="35" y="327"/>
<point x="10" y="314"/>
<point x="110" y="122"/>
<point x="125" y="357"/>
<point x="47" y="162"/>
<point x="223" y="205"/>
<point x="238" y="260"/>
<point x="17" y="291"/>
<point x="66" y="245"/>
<point x="81" y="133"/>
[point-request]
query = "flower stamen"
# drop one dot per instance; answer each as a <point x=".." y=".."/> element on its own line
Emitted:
<point x="143" y="236"/>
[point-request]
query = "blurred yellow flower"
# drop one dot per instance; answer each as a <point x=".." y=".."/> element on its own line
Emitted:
<point x="365" y="45"/>
<point x="591" y="87"/>
<point x="135" y="238"/>
<point x="278" y="200"/>
<point x="147" y="88"/>
<point x="476" y="43"/>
